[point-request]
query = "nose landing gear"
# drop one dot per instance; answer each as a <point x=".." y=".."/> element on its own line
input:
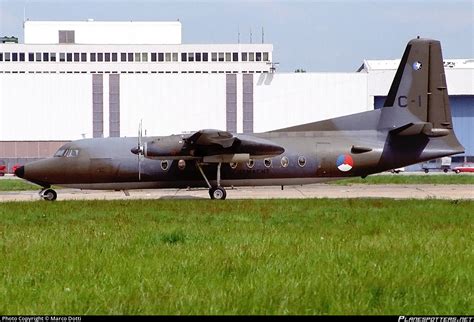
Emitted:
<point x="48" y="194"/>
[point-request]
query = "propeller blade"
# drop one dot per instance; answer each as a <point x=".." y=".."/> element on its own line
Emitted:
<point x="140" y="150"/>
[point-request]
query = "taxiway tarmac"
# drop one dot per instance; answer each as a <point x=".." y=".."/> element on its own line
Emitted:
<point x="394" y="191"/>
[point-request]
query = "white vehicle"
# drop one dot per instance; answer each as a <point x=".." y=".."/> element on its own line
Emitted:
<point x="443" y="164"/>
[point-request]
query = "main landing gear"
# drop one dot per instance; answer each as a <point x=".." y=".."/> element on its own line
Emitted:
<point x="48" y="194"/>
<point x="218" y="192"/>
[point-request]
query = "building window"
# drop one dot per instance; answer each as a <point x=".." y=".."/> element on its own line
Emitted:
<point x="175" y="57"/>
<point x="183" y="56"/>
<point x="145" y="57"/>
<point x="37" y="57"/>
<point x="198" y="56"/>
<point x="114" y="56"/>
<point x="83" y="56"/>
<point x="153" y="57"/>
<point x="31" y="56"/>
<point x="14" y="56"/>
<point x="68" y="56"/>
<point x="161" y="57"/>
<point x="66" y="36"/>
<point x="258" y="56"/>
<point x="137" y="57"/>
<point x="92" y="57"/>
<point x="235" y="56"/>
<point x="52" y="56"/>
<point x="205" y="57"/>
<point x="7" y="57"/>
<point x="221" y="56"/>
<point x="244" y="56"/>
<point x="76" y="56"/>
<point x="107" y="57"/>
<point x="251" y="56"/>
<point x="227" y="56"/>
<point x="265" y="56"/>
<point x="22" y="56"/>
<point x="130" y="57"/>
<point x="123" y="56"/>
<point x="190" y="56"/>
<point x="45" y="56"/>
<point x="214" y="56"/>
<point x="62" y="57"/>
<point x="100" y="57"/>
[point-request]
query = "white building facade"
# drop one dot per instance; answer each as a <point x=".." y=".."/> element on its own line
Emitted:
<point x="72" y="80"/>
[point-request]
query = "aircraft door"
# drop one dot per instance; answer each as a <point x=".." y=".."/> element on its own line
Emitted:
<point x="324" y="155"/>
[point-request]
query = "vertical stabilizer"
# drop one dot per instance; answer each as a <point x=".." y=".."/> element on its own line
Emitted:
<point x="420" y="86"/>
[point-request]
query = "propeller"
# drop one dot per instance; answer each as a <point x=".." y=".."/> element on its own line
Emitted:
<point x="139" y="150"/>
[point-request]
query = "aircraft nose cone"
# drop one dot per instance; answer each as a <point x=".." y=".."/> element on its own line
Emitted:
<point x="20" y="172"/>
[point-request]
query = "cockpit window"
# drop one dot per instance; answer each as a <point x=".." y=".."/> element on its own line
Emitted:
<point x="69" y="153"/>
<point x="60" y="153"/>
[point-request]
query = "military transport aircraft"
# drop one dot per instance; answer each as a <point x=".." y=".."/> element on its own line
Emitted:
<point x="413" y="126"/>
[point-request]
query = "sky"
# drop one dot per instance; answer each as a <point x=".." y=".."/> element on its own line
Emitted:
<point x="333" y="36"/>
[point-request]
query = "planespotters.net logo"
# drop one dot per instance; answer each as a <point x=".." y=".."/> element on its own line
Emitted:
<point x="344" y="162"/>
<point x="403" y="318"/>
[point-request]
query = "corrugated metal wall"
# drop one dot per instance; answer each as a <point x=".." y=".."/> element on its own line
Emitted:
<point x="283" y="100"/>
<point x="45" y="106"/>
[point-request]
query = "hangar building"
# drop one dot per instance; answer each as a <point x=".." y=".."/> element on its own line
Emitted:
<point x="84" y="79"/>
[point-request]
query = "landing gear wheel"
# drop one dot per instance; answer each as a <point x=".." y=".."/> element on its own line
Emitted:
<point x="426" y="170"/>
<point x="48" y="194"/>
<point x="218" y="193"/>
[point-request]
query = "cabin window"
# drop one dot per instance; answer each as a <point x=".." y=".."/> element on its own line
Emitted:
<point x="233" y="165"/>
<point x="181" y="164"/>
<point x="301" y="161"/>
<point x="164" y="165"/>
<point x="284" y="162"/>
<point x="250" y="163"/>
<point x="267" y="162"/>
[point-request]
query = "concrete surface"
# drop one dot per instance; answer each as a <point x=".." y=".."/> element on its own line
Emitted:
<point x="394" y="191"/>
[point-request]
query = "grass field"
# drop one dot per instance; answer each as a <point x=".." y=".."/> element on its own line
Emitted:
<point x="18" y="185"/>
<point x="313" y="256"/>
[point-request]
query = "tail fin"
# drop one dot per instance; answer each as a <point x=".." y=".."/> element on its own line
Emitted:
<point x="420" y="87"/>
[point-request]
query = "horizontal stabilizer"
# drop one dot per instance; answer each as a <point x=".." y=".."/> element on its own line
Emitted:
<point x="425" y="128"/>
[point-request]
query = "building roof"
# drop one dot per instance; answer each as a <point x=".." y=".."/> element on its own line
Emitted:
<point x="392" y="64"/>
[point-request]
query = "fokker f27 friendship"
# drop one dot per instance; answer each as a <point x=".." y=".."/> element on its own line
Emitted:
<point x="414" y="125"/>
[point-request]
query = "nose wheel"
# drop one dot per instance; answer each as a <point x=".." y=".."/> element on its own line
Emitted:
<point x="48" y="194"/>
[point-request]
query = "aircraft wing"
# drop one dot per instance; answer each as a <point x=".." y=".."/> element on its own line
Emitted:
<point x="211" y="145"/>
<point x="209" y="137"/>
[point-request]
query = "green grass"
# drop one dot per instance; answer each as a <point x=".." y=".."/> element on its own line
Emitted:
<point x="17" y="185"/>
<point x="409" y="179"/>
<point x="313" y="256"/>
